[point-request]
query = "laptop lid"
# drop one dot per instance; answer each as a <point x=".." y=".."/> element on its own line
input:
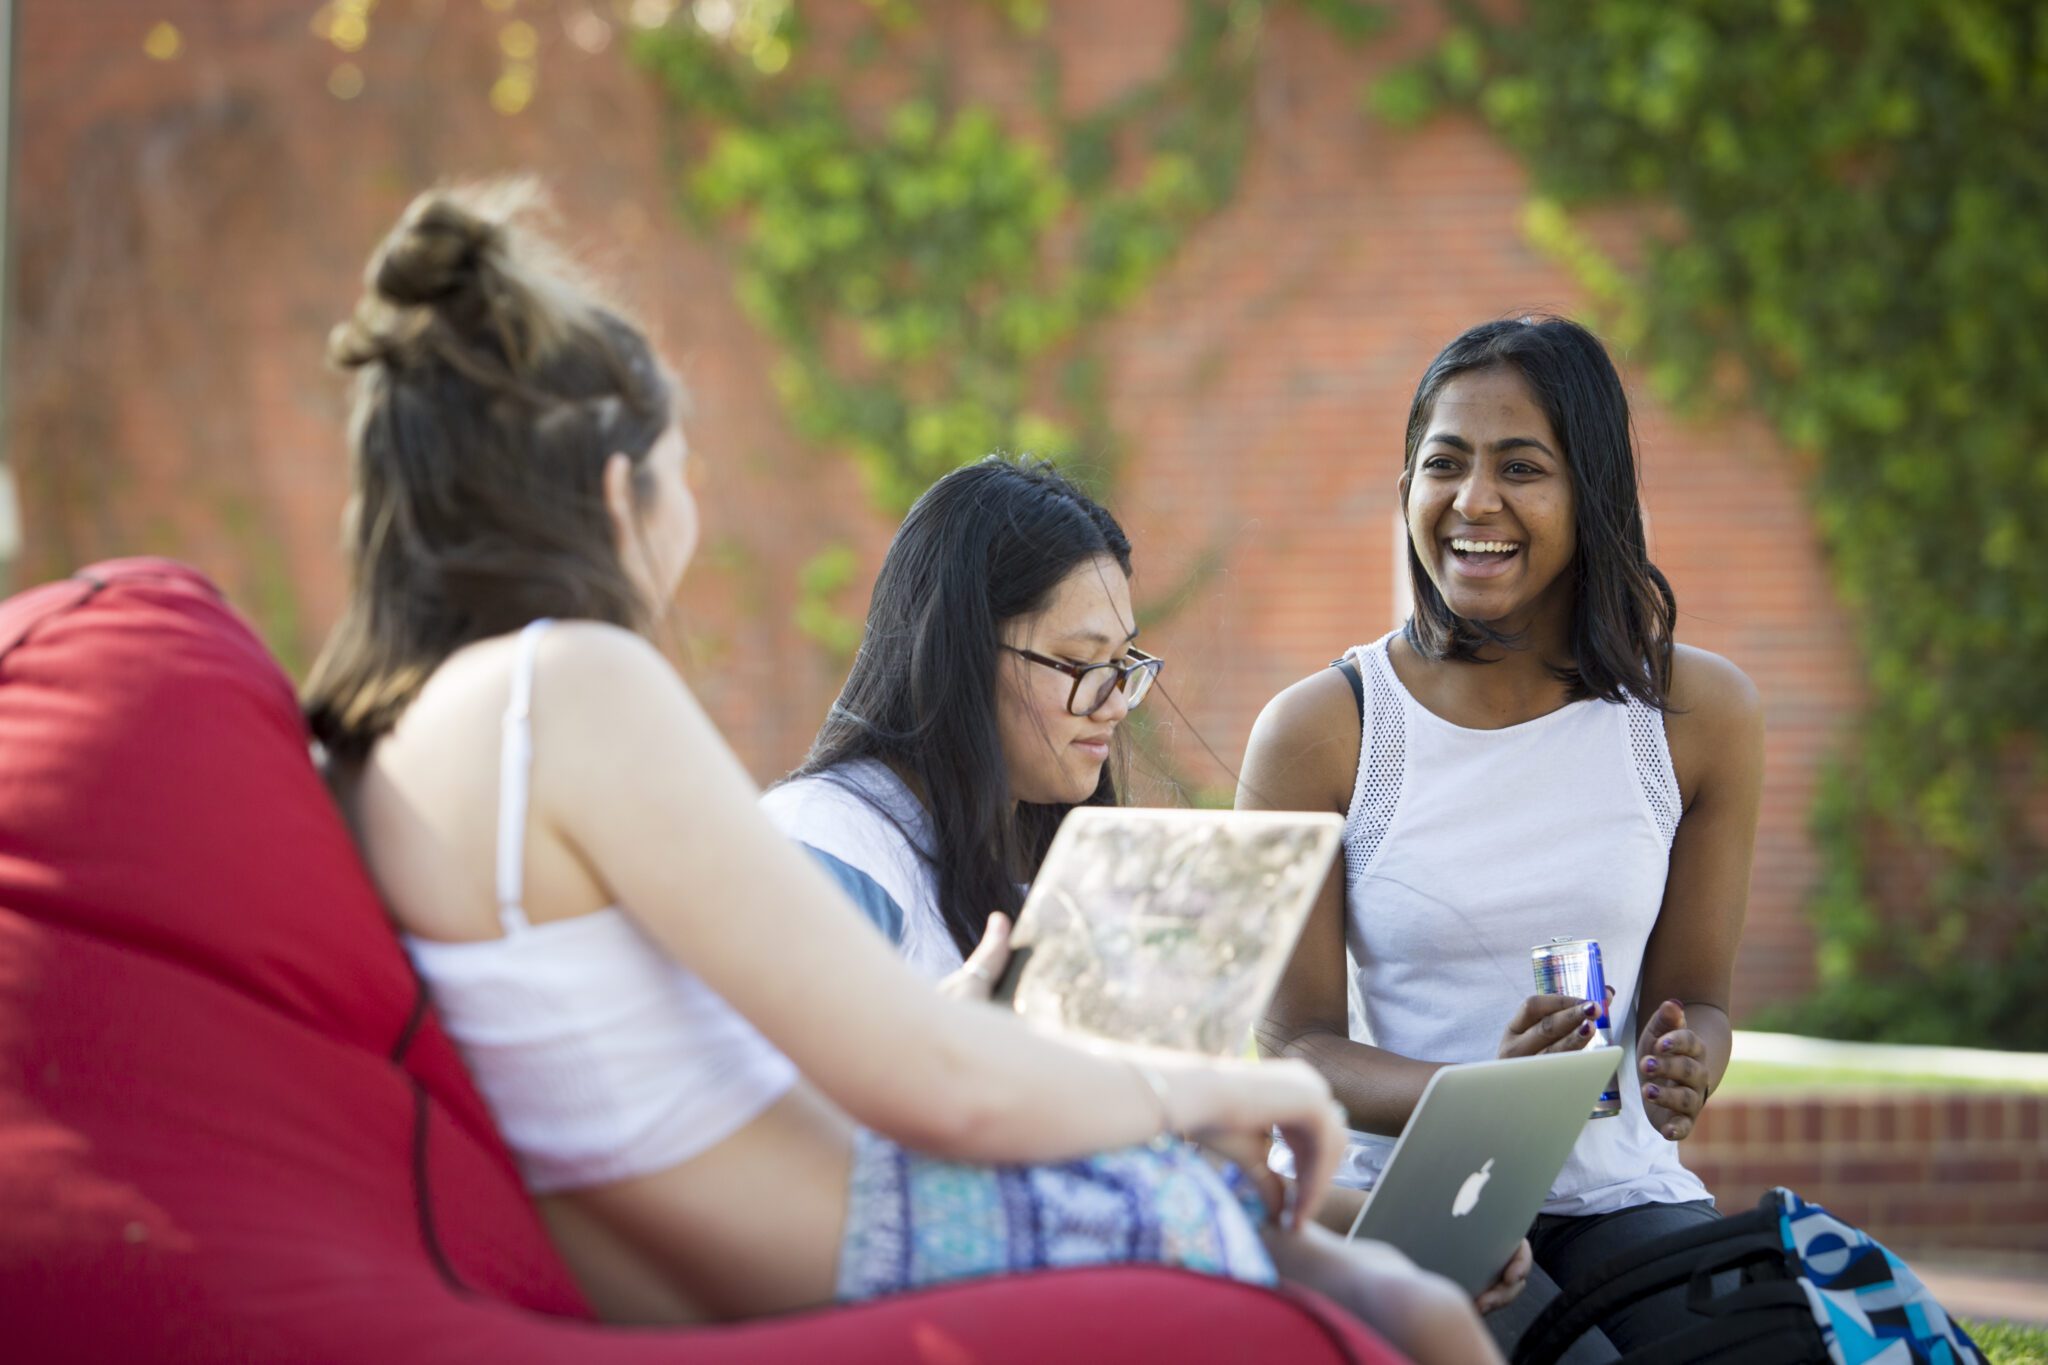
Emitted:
<point x="1168" y="927"/>
<point x="1475" y="1162"/>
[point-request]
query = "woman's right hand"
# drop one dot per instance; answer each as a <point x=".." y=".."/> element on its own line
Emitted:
<point x="1550" y="1023"/>
<point x="1254" y="1098"/>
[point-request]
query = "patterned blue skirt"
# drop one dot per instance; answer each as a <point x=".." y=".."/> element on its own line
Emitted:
<point x="913" y="1221"/>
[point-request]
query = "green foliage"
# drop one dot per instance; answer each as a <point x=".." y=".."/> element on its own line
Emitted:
<point x="1857" y="251"/>
<point x="1353" y="21"/>
<point x="819" y="582"/>
<point x="2010" y="1343"/>
<point x="929" y="273"/>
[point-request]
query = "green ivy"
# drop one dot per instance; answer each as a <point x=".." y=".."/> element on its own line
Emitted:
<point x="931" y="276"/>
<point x="1856" y="248"/>
<point x="920" y="268"/>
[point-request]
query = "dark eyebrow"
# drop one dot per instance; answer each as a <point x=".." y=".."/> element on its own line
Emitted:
<point x="1457" y="442"/>
<point x="1090" y="637"/>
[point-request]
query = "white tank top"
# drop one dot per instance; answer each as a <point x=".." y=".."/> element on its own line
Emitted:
<point x="600" y="1057"/>
<point x="1464" y="849"/>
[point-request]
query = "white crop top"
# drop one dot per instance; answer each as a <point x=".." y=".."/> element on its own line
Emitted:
<point x="600" y="1057"/>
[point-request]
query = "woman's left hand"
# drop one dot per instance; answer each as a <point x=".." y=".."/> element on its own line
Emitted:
<point x="976" y="978"/>
<point x="1508" y="1287"/>
<point x="1671" y="1063"/>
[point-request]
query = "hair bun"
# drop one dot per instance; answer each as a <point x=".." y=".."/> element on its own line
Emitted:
<point x="434" y="252"/>
<point x="460" y="278"/>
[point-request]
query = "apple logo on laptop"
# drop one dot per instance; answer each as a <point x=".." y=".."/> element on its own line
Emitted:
<point x="1468" y="1193"/>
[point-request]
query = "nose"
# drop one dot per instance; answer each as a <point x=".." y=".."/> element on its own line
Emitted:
<point x="1114" y="707"/>
<point x="1478" y="494"/>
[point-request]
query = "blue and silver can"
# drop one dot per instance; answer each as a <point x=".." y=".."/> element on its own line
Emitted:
<point x="1571" y="966"/>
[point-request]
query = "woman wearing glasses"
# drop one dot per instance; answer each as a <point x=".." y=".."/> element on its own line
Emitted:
<point x="998" y="664"/>
<point x="999" y="661"/>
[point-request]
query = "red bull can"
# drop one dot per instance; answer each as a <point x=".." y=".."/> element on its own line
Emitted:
<point x="1571" y="966"/>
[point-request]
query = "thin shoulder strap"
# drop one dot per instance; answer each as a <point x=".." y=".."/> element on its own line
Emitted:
<point x="1348" y="666"/>
<point x="515" y="772"/>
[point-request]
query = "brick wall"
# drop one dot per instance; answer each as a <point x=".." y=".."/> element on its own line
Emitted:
<point x="188" y="230"/>
<point x="1916" y="1171"/>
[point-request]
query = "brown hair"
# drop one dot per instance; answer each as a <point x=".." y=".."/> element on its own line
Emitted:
<point x="490" y="390"/>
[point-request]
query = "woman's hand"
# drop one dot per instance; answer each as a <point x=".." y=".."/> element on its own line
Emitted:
<point x="1235" y="1106"/>
<point x="977" y="976"/>
<point x="1672" y="1060"/>
<point x="1317" y="1134"/>
<point x="1513" y="1276"/>
<point x="1249" y="1153"/>
<point x="1550" y="1023"/>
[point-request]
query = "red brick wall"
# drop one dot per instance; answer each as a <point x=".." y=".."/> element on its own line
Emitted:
<point x="189" y="229"/>
<point x="1916" y="1171"/>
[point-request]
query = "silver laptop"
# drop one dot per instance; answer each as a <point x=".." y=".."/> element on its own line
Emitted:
<point x="1475" y="1162"/>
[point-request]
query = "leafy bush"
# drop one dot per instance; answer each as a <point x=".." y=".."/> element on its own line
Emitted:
<point x="1847" y="237"/>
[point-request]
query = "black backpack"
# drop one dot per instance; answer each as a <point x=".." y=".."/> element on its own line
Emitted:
<point x="1807" y="1287"/>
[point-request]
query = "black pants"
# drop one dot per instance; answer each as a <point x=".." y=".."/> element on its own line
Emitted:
<point x="1568" y="1247"/>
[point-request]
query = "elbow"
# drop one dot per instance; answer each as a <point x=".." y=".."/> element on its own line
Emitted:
<point x="1280" y="1038"/>
<point x="961" y="1118"/>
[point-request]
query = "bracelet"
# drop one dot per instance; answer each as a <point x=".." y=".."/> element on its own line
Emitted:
<point x="1156" y="1083"/>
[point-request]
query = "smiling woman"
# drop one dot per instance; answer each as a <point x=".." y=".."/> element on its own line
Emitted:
<point x="1532" y="755"/>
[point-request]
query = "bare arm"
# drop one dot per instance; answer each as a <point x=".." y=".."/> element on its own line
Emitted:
<point x="633" y="778"/>
<point x="1303" y="755"/>
<point x="1716" y="738"/>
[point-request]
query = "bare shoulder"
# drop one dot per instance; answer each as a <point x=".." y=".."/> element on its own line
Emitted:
<point x="598" y="659"/>
<point x="599" y="686"/>
<point x="1715" y="725"/>
<point x="575" y="660"/>
<point x="1303" y="752"/>
<point x="1711" y="695"/>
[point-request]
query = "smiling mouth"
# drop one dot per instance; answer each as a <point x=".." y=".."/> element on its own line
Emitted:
<point x="1484" y="551"/>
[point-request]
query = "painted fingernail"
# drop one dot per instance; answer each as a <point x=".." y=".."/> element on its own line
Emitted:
<point x="1592" y="1008"/>
<point x="1663" y="1045"/>
<point x="1650" y="1065"/>
<point x="1652" y="1091"/>
<point x="1585" y="1030"/>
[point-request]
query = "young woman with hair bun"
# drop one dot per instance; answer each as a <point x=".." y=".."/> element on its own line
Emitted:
<point x="1531" y="755"/>
<point x="727" y="1094"/>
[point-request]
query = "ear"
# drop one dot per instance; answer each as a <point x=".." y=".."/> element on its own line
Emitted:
<point x="1402" y="484"/>
<point x="618" y="495"/>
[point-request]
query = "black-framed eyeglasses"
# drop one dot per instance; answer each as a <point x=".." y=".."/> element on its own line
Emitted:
<point x="1094" y="682"/>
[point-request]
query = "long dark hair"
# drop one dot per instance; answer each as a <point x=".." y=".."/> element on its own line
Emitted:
<point x="1623" y="613"/>
<point x="985" y="544"/>
<point x="490" y="391"/>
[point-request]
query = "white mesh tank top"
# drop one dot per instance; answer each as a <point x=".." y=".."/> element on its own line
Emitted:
<point x="1465" y="848"/>
<point x="600" y="1057"/>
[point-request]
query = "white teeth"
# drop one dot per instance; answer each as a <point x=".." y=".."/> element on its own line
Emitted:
<point x="1484" y="547"/>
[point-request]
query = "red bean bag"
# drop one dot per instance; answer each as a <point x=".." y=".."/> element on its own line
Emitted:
<point x="232" y="1130"/>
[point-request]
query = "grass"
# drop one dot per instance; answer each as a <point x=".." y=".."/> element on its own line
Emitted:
<point x="1760" y="1077"/>
<point x="2008" y="1343"/>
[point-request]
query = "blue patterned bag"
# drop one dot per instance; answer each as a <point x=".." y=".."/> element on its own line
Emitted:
<point x="1787" y="1283"/>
